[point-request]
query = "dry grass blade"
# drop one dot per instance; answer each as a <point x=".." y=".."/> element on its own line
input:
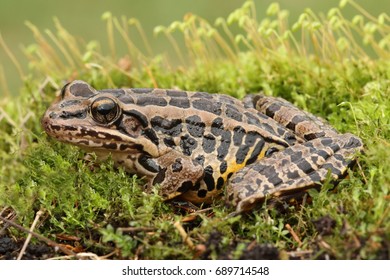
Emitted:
<point x="184" y="235"/>
<point x="27" y="241"/>
<point x="294" y="235"/>
<point x="40" y="237"/>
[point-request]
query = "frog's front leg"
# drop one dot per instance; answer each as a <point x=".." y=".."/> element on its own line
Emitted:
<point x="175" y="173"/>
<point x="298" y="167"/>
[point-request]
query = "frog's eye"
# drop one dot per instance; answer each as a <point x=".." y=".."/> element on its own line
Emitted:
<point x="105" y="110"/>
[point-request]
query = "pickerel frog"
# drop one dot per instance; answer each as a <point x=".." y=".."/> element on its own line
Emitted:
<point x="199" y="146"/>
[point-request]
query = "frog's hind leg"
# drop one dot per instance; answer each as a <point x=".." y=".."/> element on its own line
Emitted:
<point x="292" y="171"/>
<point x="303" y="124"/>
<point x="299" y="167"/>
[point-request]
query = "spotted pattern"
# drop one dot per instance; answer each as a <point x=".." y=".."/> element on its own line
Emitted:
<point x="196" y="144"/>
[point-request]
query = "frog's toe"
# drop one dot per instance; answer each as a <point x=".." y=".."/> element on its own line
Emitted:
<point x="293" y="170"/>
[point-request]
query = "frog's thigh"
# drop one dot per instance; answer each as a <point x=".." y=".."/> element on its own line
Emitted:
<point x="292" y="170"/>
<point x="176" y="175"/>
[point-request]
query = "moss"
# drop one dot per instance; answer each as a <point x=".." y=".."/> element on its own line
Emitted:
<point x="321" y="64"/>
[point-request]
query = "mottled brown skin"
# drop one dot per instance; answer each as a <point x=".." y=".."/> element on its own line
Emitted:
<point x="194" y="144"/>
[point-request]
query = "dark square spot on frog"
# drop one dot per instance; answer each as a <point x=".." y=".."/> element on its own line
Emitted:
<point x="149" y="164"/>
<point x="169" y="142"/>
<point x="237" y="180"/>
<point x="126" y="99"/>
<point x="203" y="95"/>
<point x="217" y="126"/>
<point x="123" y="147"/>
<point x="241" y="154"/>
<point x="195" y="126"/>
<point x="271" y="109"/>
<point x="208" y="106"/>
<point x="177" y="166"/>
<point x="334" y="170"/>
<point x="142" y="90"/>
<point x="251" y="138"/>
<point x="195" y="187"/>
<point x="269" y="171"/>
<point x="258" y="167"/>
<point x="275" y="180"/>
<point x="188" y="144"/>
<point x="110" y="146"/>
<point x="170" y="127"/>
<point x="227" y="99"/>
<point x="180" y="103"/>
<point x="117" y="92"/>
<point x="208" y="144"/>
<point x="146" y="100"/>
<point x="281" y="131"/>
<point x="342" y="160"/>
<point x="262" y="116"/>
<point x="160" y="176"/>
<point x="294" y="121"/>
<point x="326" y="141"/>
<point x="232" y="112"/>
<point x="305" y="166"/>
<point x="353" y="143"/>
<point x="238" y="134"/>
<point x="223" y="167"/>
<point x="223" y="148"/>
<point x="292" y="174"/>
<point x="81" y="89"/>
<point x="295" y="156"/>
<point x="185" y="186"/>
<point x="220" y="183"/>
<point x="249" y="189"/>
<point x="202" y="193"/>
<point x="258" y="181"/>
<point x="312" y="136"/>
<point x="315" y="177"/>
<point x="255" y="152"/>
<point x="199" y="160"/>
<point x="208" y="178"/>
<point x="252" y="119"/>
<point x="177" y="93"/>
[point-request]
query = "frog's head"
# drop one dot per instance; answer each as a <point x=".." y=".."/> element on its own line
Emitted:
<point x="95" y="120"/>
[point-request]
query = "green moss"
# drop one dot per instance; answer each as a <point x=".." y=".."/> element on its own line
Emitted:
<point x="322" y="65"/>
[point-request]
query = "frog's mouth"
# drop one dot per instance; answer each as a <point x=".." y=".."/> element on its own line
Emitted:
<point x="89" y="139"/>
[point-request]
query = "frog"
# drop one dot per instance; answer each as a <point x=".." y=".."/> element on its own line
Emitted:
<point x="200" y="147"/>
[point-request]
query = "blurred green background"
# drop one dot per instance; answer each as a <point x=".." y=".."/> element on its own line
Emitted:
<point x="83" y="19"/>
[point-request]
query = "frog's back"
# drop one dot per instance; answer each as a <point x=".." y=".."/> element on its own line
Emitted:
<point x="204" y="109"/>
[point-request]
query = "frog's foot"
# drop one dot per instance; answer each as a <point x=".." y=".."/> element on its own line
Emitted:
<point x="293" y="170"/>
